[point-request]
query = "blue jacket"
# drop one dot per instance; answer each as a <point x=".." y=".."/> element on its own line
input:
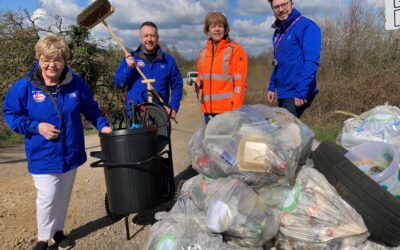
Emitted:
<point x="28" y="102"/>
<point x="297" y="57"/>
<point x="163" y="69"/>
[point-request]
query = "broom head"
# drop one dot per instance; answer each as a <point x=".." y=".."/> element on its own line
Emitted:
<point x="98" y="11"/>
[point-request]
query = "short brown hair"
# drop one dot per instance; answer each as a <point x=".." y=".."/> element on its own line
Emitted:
<point x="148" y="23"/>
<point x="52" y="46"/>
<point x="215" y="18"/>
<point x="270" y="1"/>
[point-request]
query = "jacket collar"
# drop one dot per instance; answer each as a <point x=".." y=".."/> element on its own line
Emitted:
<point x="139" y="52"/>
<point x="35" y="76"/>
<point x="282" y="26"/>
<point x="222" y="44"/>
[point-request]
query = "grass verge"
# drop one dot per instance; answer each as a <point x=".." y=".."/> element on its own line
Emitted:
<point x="12" y="139"/>
<point x="325" y="134"/>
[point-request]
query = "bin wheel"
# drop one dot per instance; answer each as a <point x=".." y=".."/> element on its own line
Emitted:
<point x="114" y="217"/>
<point x="379" y="208"/>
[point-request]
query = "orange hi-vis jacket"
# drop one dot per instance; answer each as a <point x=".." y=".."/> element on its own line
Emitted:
<point x="222" y="68"/>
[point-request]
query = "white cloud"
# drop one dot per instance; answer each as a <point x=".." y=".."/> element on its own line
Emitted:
<point x="247" y="27"/>
<point x="65" y="8"/>
<point x="46" y="15"/>
<point x="180" y="22"/>
<point x="377" y="3"/>
<point x="247" y="8"/>
<point x="255" y="37"/>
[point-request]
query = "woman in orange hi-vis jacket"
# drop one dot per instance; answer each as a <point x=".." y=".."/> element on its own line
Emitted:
<point x="222" y="68"/>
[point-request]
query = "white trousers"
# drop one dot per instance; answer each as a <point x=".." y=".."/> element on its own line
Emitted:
<point x="53" y="194"/>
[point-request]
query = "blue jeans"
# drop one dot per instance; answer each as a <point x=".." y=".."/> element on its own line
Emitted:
<point x="207" y="117"/>
<point x="288" y="103"/>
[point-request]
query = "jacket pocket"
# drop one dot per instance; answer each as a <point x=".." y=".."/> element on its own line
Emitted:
<point x="40" y="148"/>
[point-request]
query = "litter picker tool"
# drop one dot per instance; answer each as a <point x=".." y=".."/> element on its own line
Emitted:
<point x="96" y="13"/>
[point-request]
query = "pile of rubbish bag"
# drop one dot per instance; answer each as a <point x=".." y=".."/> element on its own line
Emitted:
<point x="257" y="189"/>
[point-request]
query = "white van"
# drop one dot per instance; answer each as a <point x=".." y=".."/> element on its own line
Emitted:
<point x="191" y="77"/>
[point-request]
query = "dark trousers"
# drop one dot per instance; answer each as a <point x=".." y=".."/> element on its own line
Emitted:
<point x="288" y="103"/>
<point x="207" y="117"/>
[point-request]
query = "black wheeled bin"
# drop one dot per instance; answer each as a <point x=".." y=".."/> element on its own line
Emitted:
<point x="134" y="180"/>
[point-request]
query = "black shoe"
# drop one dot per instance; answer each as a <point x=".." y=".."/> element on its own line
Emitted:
<point x="63" y="242"/>
<point x="41" y="245"/>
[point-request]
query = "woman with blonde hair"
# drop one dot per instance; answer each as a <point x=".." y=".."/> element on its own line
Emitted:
<point x="46" y="107"/>
<point x="222" y="68"/>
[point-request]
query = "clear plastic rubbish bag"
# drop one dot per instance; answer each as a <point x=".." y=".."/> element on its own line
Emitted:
<point x="233" y="208"/>
<point x="182" y="231"/>
<point x="313" y="212"/>
<point x="254" y="142"/>
<point x="201" y="161"/>
<point x="380" y="124"/>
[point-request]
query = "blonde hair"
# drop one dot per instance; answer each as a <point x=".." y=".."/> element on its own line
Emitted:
<point x="52" y="46"/>
<point x="215" y="18"/>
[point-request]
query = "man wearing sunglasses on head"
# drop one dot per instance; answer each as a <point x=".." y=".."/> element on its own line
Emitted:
<point x="297" y="45"/>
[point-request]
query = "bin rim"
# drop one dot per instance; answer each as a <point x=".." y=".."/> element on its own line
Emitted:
<point x="130" y="131"/>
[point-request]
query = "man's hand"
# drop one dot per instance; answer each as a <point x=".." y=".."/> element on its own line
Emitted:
<point x="48" y="131"/>
<point x="271" y="97"/>
<point x="106" y="130"/>
<point x="299" y="102"/>
<point x="173" y="114"/>
<point x="129" y="60"/>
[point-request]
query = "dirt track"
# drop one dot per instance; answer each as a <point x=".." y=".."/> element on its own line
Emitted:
<point x="86" y="221"/>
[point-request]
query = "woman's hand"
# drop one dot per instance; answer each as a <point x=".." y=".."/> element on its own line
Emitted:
<point x="48" y="131"/>
<point x="197" y="85"/>
<point x="106" y="130"/>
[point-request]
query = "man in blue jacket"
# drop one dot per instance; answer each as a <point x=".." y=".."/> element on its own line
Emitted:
<point x="297" y="46"/>
<point x="155" y="64"/>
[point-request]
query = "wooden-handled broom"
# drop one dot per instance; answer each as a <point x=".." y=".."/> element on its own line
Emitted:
<point x="96" y="13"/>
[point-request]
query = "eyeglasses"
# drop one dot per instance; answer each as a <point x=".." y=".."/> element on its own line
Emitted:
<point x="57" y="62"/>
<point x="284" y="6"/>
<point x="218" y="25"/>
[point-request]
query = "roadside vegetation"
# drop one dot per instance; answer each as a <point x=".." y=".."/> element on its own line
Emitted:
<point x="359" y="66"/>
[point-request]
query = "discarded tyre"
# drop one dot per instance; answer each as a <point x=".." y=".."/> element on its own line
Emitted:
<point x="379" y="209"/>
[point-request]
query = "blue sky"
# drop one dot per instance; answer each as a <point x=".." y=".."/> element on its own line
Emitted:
<point x="180" y="22"/>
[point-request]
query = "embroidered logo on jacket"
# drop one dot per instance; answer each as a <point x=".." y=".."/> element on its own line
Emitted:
<point x="162" y="66"/>
<point x="72" y="95"/>
<point x="38" y="96"/>
<point x="140" y="63"/>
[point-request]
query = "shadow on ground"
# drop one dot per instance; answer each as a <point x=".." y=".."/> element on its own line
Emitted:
<point x="87" y="229"/>
<point x="143" y="218"/>
<point x="147" y="217"/>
